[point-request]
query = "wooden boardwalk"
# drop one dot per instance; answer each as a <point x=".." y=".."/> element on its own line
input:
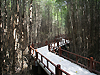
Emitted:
<point x="54" y="64"/>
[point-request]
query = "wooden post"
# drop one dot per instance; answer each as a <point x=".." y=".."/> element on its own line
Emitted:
<point x="46" y="43"/>
<point x="54" y="50"/>
<point x="36" y="54"/>
<point x="68" y="55"/>
<point x="65" y="41"/>
<point x="54" y="44"/>
<point x="91" y="64"/>
<point x="58" y="43"/>
<point x="49" y="47"/>
<point x="94" y="66"/>
<point x="76" y="59"/>
<point x="88" y="64"/>
<point x="47" y="64"/>
<point x="41" y="59"/>
<point x="55" y="40"/>
<point x="59" y="51"/>
<point x="58" y="72"/>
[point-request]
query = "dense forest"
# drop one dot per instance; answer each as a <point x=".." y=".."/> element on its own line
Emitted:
<point x="25" y="21"/>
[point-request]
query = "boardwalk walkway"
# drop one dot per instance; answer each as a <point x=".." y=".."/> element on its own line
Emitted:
<point x="66" y="65"/>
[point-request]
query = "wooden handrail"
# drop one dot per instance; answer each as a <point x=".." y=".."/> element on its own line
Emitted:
<point x="91" y="64"/>
<point x="63" y="71"/>
<point x="96" y="61"/>
<point x="75" y="54"/>
<point x="57" y="70"/>
<point x="94" y="67"/>
<point x="47" y="59"/>
<point x="41" y="44"/>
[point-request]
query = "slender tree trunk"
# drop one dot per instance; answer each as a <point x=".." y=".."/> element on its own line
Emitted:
<point x="1" y="34"/>
<point x="30" y="20"/>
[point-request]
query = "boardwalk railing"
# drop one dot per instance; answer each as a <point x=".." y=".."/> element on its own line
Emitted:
<point x="58" y="70"/>
<point x="55" y="39"/>
<point x="90" y="64"/>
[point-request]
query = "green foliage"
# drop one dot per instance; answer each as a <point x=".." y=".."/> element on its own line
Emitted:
<point x="60" y="0"/>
